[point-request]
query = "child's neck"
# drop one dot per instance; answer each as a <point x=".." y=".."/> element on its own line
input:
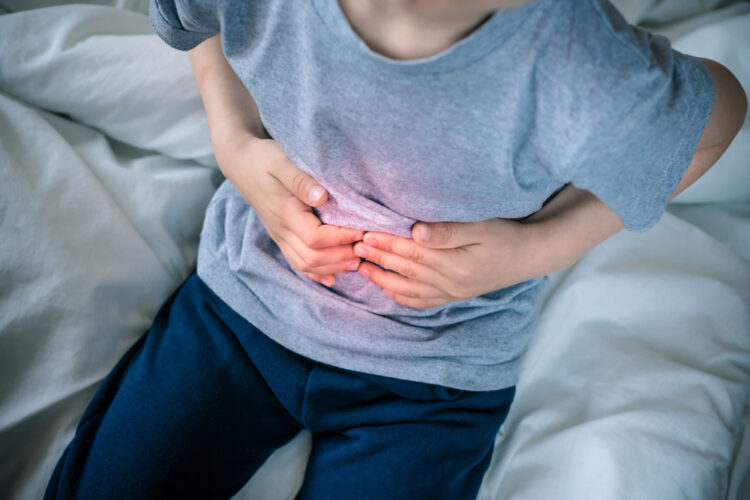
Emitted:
<point x="416" y="29"/>
<point x="401" y="33"/>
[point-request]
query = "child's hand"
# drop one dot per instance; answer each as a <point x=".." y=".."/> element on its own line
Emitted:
<point x="450" y="262"/>
<point x="457" y="261"/>
<point x="282" y="194"/>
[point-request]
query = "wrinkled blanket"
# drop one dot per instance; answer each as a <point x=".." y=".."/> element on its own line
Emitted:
<point x="635" y="386"/>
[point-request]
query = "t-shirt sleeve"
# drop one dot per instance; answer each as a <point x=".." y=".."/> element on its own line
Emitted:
<point x="183" y="24"/>
<point x="626" y="114"/>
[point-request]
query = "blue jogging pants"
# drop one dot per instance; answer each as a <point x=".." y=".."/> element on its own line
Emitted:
<point x="189" y="412"/>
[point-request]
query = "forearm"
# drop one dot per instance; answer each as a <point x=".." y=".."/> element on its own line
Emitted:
<point x="567" y="227"/>
<point x="575" y="221"/>
<point x="231" y="111"/>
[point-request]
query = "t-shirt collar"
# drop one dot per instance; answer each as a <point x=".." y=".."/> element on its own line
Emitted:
<point x="486" y="38"/>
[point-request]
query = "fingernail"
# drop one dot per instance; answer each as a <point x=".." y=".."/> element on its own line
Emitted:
<point x="316" y="193"/>
<point x="364" y="272"/>
<point x="388" y="293"/>
<point x="360" y="251"/>
<point x="423" y="231"/>
<point x="353" y="266"/>
<point x="370" y="240"/>
<point x="327" y="282"/>
<point x="359" y="237"/>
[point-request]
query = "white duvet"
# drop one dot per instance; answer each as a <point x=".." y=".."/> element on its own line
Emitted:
<point x="633" y="388"/>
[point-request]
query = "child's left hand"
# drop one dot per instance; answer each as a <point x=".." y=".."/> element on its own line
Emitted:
<point x="452" y="261"/>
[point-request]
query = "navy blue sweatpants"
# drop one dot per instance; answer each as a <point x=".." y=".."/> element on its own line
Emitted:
<point x="189" y="412"/>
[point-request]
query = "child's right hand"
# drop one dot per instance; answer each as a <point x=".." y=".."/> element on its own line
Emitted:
<point x="282" y="196"/>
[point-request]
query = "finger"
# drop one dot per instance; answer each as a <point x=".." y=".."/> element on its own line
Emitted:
<point x="300" y="184"/>
<point x="448" y="234"/>
<point x="343" y="267"/>
<point x="403" y="247"/>
<point x="290" y="254"/>
<point x="328" y="236"/>
<point x="329" y="260"/>
<point x="324" y="279"/>
<point x="313" y="233"/>
<point x="401" y="265"/>
<point x="415" y="303"/>
<point x="396" y="283"/>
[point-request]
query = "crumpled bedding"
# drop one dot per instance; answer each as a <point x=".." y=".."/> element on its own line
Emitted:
<point x="635" y="386"/>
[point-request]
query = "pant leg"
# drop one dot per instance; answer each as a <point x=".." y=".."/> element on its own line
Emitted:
<point x="183" y="414"/>
<point x="376" y="438"/>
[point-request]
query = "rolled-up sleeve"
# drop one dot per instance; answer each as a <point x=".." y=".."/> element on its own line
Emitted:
<point x="183" y="24"/>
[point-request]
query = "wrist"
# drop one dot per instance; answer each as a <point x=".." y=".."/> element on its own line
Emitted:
<point x="568" y="227"/>
<point x="547" y="249"/>
<point x="227" y="143"/>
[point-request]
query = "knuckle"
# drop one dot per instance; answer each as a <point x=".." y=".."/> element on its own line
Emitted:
<point x="299" y="182"/>
<point x="446" y="231"/>
<point x="408" y="270"/>
<point x="312" y="240"/>
<point x="298" y="264"/>
<point x="287" y="210"/>
<point x="416" y="255"/>
<point x="303" y="268"/>
<point x="313" y="259"/>
<point x="308" y="239"/>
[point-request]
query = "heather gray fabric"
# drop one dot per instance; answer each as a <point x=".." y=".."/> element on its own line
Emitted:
<point x="553" y="92"/>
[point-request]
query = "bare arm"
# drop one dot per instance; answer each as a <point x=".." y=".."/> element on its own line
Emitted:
<point x="231" y="111"/>
<point x="280" y="193"/>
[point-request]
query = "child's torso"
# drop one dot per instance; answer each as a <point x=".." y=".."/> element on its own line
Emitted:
<point x="447" y="138"/>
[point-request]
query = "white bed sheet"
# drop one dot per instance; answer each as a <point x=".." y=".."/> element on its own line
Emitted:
<point x="634" y="387"/>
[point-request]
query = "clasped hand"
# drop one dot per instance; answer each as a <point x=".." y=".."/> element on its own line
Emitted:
<point x="448" y="261"/>
<point x="443" y="262"/>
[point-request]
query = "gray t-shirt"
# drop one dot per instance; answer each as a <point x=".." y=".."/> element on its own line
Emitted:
<point x="553" y="92"/>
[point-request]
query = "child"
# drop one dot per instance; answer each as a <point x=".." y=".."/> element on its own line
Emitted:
<point x="475" y="111"/>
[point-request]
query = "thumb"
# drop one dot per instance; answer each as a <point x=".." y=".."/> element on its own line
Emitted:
<point x="444" y="234"/>
<point x="302" y="185"/>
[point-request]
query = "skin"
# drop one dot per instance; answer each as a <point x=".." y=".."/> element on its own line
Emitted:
<point x="442" y="262"/>
<point x="413" y="29"/>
